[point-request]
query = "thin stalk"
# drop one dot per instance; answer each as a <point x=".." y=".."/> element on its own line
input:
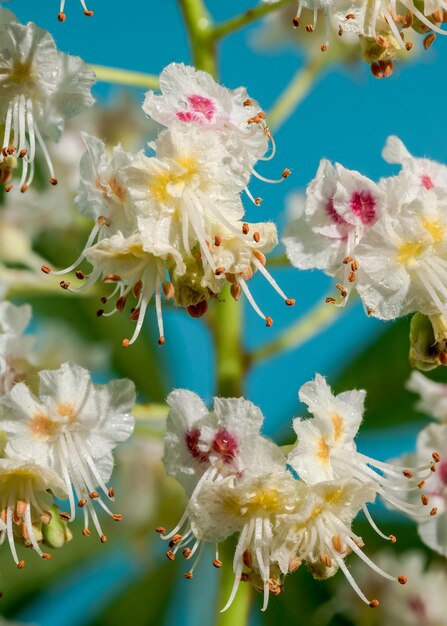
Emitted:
<point x="125" y="77"/>
<point x="246" y="18"/>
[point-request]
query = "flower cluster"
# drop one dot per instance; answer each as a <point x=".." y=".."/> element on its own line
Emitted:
<point x="386" y="239"/>
<point x="172" y="223"/>
<point x="285" y="509"/>
<point x="58" y="444"/>
<point x="40" y="89"/>
<point x="381" y="26"/>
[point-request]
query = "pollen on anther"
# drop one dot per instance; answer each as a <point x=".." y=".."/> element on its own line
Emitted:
<point x="403" y="580"/>
<point x="186" y="553"/>
<point x="170" y="555"/>
<point x="188" y="575"/>
<point x="103" y="538"/>
<point x="296" y="21"/>
<point x="61" y="17"/>
<point x="82" y="503"/>
<point x="126" y="342"/>
<point x="392" y="538"/>
<point x="286" y="173"/>
<point x="65" y="517"/>
<point x="86" y="532"/>
<point x="117" y="517"/>
<point x="374" y="604"/>
<point x="160" y="530"/>
<point x="245" y="228"/>
<point x="217" y="563"/>
<point x="290" y="301"/>
<point x="407" y="473"/>
<point x="268" y="321"/>
<point x="436" y="457"/>
<point x="88" y="13"/>
<point x="52" y="181"/>
<point x="45" y="269"/>
<point x="425" y="500"/>
<point x="433" y="511"/>
<point x="161" y="341"/>
<point x="64" y="284"/>
<point x="46" y="556"/>
<point x="21" y="564"/>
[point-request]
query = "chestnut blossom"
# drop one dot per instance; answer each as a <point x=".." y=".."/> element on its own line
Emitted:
<point x="41" y="89"/>
<point x="72" y="427"/>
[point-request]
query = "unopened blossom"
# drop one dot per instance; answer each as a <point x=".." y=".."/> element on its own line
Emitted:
<point x="71" y="427"/>
<point x="41" y="89"/>
<point x="27" y="490"/>
<point x="432" y="396"/>
<point x="15" y="348"/>
<point x="341" y="206"/>
<point x="326" y="451"/>
<point x="62" y="17"/>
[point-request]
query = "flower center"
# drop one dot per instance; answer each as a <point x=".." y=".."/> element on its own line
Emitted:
<point x="225" y="445"/>
<point x="201" y="110"/>
<point x="363" y="205"/>
<point x="409" y="251"/>
<point x="167" y="184"/>
<point x="21" y="72"/>
<point x="42" y="426"/>
<point x="435" y="229"/>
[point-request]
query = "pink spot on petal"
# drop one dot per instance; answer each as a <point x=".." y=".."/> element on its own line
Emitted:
<point x="363" y="204"/>
<point x="336" y="218"/>
<point x="200" y="110"/>
<point x="192" y="438"/>
<point x="427" y="182"/>
<point x="442" y="471"/>
<point x="225" y="445"/>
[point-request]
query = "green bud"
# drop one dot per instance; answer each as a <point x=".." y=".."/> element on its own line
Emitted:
<point x="320" y="571"/>
<point x="188" y="290"/>
<point x="428" y="341"/>
<point x="384" y="47"/>
<point x="56" y="533"/>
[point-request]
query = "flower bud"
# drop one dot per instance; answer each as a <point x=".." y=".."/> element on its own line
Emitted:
<point x="56" y="533"/>
<point x="188" y="290"/>
<point x="428" y="341"/>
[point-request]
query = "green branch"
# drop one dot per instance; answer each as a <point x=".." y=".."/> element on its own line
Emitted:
<point x="199" y="25"/>
<point x="246" y="18"/>
<point x="125" y="77"/>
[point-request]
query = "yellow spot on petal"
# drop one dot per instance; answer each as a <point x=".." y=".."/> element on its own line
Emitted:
<point x="42" y="426"/>
<point x="435" y="229"/>
<point x="337" y="424"/>
<point x="323" y="451"/>
<point x="409" y="251"/>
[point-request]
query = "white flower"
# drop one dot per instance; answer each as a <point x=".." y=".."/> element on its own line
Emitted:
<point x="433" y="396"/>
<point x="26" y="495"/>
<point x="416" y="173"/>
<point x="14" y="348"/>
<point x="402" y="260"/>
<point x="40" y="89"/>
<point x="326" y="450"/>
<point x="341" y="206"/>
<point x="62" y="17"/>
<point x="72" y="427"/>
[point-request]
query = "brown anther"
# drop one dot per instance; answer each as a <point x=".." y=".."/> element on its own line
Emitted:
<point x="5" y="152"/>
<point x="382" y="69"/>
<point x="296" y="21"/>
<point x="370" y="312"/>
<point x="337" y="543"/>
<point x="392" y="538"/>
<point x="8" y="188"/>
<point x="245" y="228"/>
<point x="330" y="301"/>
<point x="351" y="277"/>
<point x="258" y="201"/>
<point x="161" y="341"/>
<point x="219" y="271"/>
<point x="175" y="539"/>
<point x="103" y="538"/>
<point x="286" y="173"/>
<point x="350" y="16"/>
<point x="433" y="467"/>
<point x="290" y="301"/>
<point x="342" y="289"/>
<point x="217" y="563"/>
<point x="443" y="358"/>
<point x="254" y="120"/>
<point x="425" y="500"/>
<point x="188" y="575"/>
<point x="340" y="31"/>
<point x="268" y="321"/>
<point x="65" y="517"/>
<point x="80" y="275"/>
<point x="93" y="495"/>
<point x="117" y="517"/>
<point x="45" y="269"/>
<point x="186" y="553"/>
<point x="262" y="115"/>
<point x="257" y="236"/>
<point x="433" y="511"/>
<point x="46" y="556"/>
<point x="374" y="604"/>
<point x="324" y="47"/>
<point x="310" y="28"/>
<point x="86" y="532"/>
<point x="248" y="103"/>
<point x="99" y="312"/>
<point x="88" y="13"/>
<point x="437" y="16"/>
<point x="23" y="153"/>
<point x="168" y="289"/>
<point x="326" y="559"/>
<point x="347" y="260"/>
<point x="407" y="473"/>
<point x="52" y="181"/>
<point x="10" y="150"/>
<point x="21" y="564"/>
<point x="20" y="509"/>
<point x="409" y="20"/>
<point x="170" y="555"/>
<point x="103" y="299"/>
<point x="235" y="291"/>
<point x="46" y="517"/>
<point x="402" y="579"/>
<point x="217" y="240"/>
<point x="125" y="342"/>
<point x="61" y="17"/>
<point x="121" y="303"/>
<point x="64" y="284"/>
<point x="111" y="278"/>
<point x="160" y="530"/>
<point x="421" y="484"/>
<point x="408" y="45"/>
<point x="354" y="265"/>
<point x="436" y="457"/>
<point x="260" y="256"/>
<point x="82" y="503"/>
<point x="244" y="577"/>
<point x="247" y="558"/>
<point x="429" y="39"/>
<point x="294" y="564"/>
<point x="247" y="274"/>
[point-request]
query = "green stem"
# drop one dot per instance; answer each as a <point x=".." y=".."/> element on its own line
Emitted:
<point x="296" y="91"/>
<point x="313" y="323"/>
<point x="239" y="612"/>
<point x="199" y="25"/>
<point x="125" y="77"/>
<point x="246" y="18"/>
